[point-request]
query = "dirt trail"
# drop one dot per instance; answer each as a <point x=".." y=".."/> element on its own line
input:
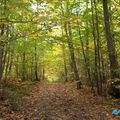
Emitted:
<point x="57" y="102"/>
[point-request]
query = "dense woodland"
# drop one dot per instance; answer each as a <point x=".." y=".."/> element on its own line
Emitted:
<point x="60" y="41"/>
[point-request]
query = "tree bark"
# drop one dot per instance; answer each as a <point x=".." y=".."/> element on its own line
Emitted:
<point x="1" y="59"/>
<point x="64" y="60"/>
<point x="72" y="55"/>
<point x="36" y="63"/>
<point x="98" y="49"/>
<point x="110" y="43"/>
<point x="23" y="66"/>
<point x="68" y="33"/>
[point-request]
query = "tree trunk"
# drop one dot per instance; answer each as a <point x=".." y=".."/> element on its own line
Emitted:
<point x="43" y="73"/>
<point x="71" y="49"/>
<point x="64" y="60"/>
<point x="110" y="43"/>
<point x="68" y="33"/>
<point x="36" y="63"/>
<point x="1" y="59"/>
<point x="23" y="66"/>
<point x="98" y="50"/>
<point x="1" y="50"/>
<point x="95" y="49"/>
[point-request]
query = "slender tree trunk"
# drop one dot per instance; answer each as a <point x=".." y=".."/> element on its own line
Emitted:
<point x="68" y="33"/>
<point x="95" y="49"/>
<point x="23" y="66"/>
<point x="1" y="52"/>
<point x="6" y="58"/>
<point x="83" y="51"/>
<point x="2" y="43"/>
<point x="1" y="59"/>
<point x="31" y="71"/>
<point x="87" y="48"/>
<point x="11" y="60"/>
<point x="36" y="64"/>
<point x="98" y="49"/>
<point x="64" y="60"/>
<point x="17" y="66"/>
<point x="43" y="73"/>
<point x="7" y="66"/>
<point x="71" y="49"/>
<point x="110" y="42"/>
<point x="85" y="54"/>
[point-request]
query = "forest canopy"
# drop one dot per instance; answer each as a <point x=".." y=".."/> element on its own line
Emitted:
<point x="60" y="40"/>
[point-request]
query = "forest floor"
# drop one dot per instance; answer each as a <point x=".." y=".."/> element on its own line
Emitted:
<point x="58" y="101"/>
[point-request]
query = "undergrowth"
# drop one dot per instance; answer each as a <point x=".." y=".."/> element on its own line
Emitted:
<point x="14" y="92"/>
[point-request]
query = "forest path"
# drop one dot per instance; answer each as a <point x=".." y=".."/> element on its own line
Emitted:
<point x="57" y="101"/>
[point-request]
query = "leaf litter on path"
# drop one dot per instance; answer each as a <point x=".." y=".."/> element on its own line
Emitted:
<point x="57" y="101"/>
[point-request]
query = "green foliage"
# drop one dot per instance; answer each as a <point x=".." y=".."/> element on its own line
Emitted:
<point x="34" y="38"/>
